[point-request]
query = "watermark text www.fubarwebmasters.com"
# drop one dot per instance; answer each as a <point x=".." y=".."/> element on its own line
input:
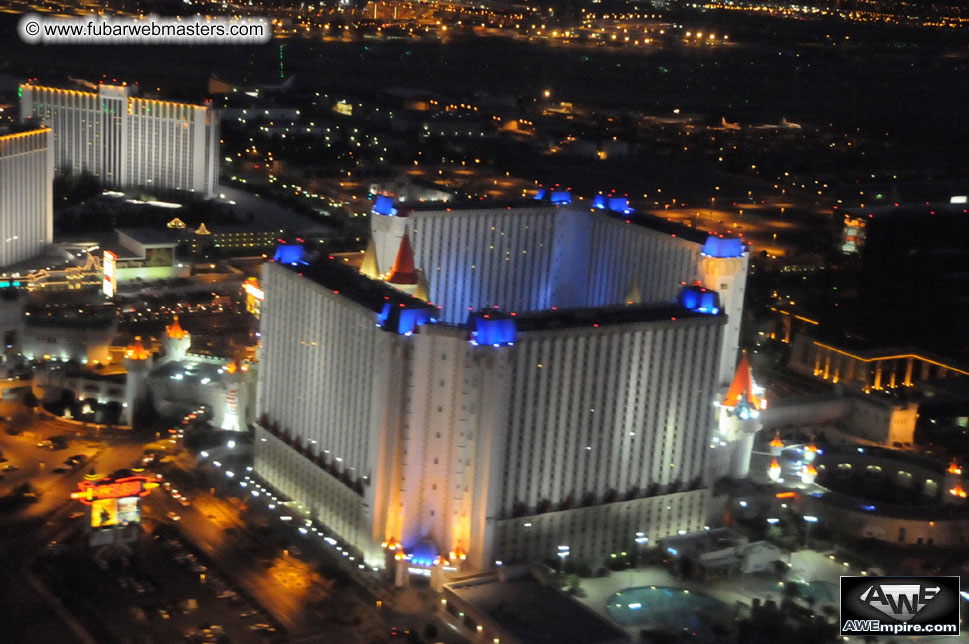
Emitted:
<point x="149" y="30"/>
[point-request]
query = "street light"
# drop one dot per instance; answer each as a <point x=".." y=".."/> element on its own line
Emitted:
<point x="808" y="519"/>
<point x="563" y="553"/>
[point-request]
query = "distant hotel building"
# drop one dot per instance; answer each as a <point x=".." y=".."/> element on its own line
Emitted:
<point x="558" y="393"/>
<point x="26" y="198"/>
<point x="129" y="142"/>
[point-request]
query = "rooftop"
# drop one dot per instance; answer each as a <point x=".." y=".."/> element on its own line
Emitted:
<point x="534" y="613"/>
<point x="150" y="236"/>
<point x="704" y="541"/>
<point x="552" y="319"/>
<point x="348" y="282"/>
<point x="644" y="220"/>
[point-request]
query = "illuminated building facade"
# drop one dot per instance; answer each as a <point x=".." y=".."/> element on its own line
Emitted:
<point x="126" y="141"/>
<point x="26" y="194"/>
<point x="533" y="257"/>
<point x="571" y="415"/>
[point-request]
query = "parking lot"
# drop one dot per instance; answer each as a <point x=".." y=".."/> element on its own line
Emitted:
<point x="167" y="592"/>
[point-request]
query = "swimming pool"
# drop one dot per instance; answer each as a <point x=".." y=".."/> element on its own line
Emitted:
<point x="673" y="609"/>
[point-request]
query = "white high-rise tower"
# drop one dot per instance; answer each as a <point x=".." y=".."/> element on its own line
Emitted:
<point x="26" y="194"/>
<point x="126" y="141"/>
<point x="723" y="268"/>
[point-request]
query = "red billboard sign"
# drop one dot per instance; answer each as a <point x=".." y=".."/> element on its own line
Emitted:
<point x="91" y="491"/>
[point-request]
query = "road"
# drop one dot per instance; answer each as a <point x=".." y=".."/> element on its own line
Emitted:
<point x="290" y="588"/>
<point x="24" y="534"/>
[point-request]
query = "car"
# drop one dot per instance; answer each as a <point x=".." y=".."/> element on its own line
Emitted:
<point x="45" y="443"/>
<point x="249" y="612"/>
<point x="262" y="627"/>
<point x="78" y="458"/>
<point x="163" y="613"/>
<point x="184" y="501"/>
<point x="60" y="470"/>
<point x="173" y="516"/>
<point x="10" y="468"/>
<point x="75" y="515"/>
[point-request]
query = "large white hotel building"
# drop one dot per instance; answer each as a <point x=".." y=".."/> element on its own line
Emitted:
<point x="26" y="198"/>
<point x="126" y="141"/>
<point x="557" y="394"/>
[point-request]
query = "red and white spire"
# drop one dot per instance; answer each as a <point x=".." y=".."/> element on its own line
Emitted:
<point x="744" y="389"/>
<point x="403" y="271"/>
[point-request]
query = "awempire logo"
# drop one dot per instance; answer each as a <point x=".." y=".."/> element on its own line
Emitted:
<point x="899" y="605"/>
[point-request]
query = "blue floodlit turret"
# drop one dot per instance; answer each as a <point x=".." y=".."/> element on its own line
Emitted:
<point x="289" y="254"/>
<point x="492" y="328"/>
<point x="403" y="320"/>
<point x="410" y="319"/>
<point x="619" y="204"/>
<point x="561" y="197"/>
<point x="699" y="299"/>
<point x="424" y="552"/>
<point x="722" y="247"/>
<point x="384" y="205"/>
<point x="615" y="204"/>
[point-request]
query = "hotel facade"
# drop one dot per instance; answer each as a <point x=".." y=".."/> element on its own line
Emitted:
<point x="26" y="197"/>
<point x="126" y="141"/>
<point x="556" y="397"/>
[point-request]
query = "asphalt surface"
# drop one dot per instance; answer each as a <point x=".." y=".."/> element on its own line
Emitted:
<point x="304" y="591"/>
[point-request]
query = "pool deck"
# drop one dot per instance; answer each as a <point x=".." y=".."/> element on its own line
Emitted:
<point x="806" y="565"/>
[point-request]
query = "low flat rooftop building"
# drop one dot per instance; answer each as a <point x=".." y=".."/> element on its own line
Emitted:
<point x="517" y="605"/>
<point x="718" y="551"/>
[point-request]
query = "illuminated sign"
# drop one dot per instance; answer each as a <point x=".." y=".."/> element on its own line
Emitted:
<point x="128" y="510"/>
<point x="254" y="296"/>
<point x="107" y="513"/>
<point x="104" y="513"/>
<point x="109" y="263"/>
<point x="92" y="491"/>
